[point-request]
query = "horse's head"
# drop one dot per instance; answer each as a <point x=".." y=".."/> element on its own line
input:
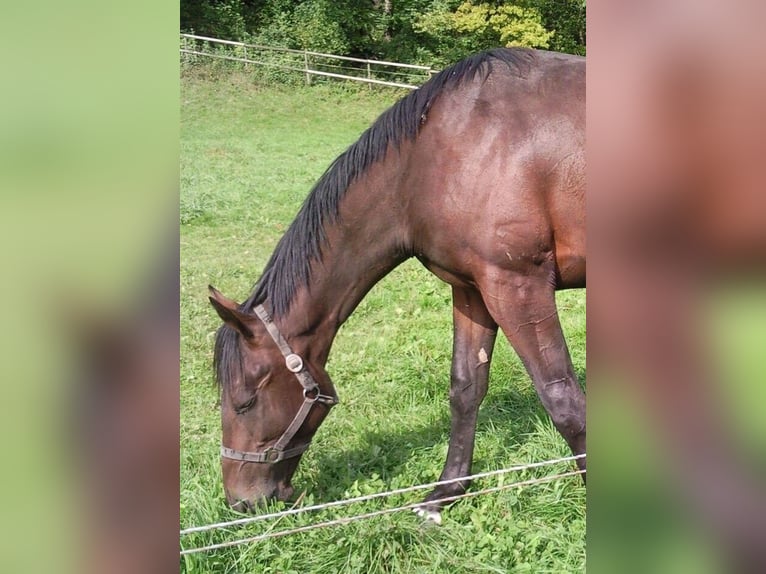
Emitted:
<point x="272" y="403"/>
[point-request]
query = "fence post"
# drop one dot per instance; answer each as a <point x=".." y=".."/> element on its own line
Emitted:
<point x="369" y="76"/>
<point x="306" y="64"/>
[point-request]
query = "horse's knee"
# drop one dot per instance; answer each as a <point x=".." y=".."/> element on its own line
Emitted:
<point x="569" y="423"/>
<point x="567" y="411"/>
<point x="466" y="394"/>
<point x="565" y="402"/>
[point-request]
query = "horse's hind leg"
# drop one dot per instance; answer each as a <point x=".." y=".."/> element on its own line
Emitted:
<point x="524" y="306"/>
<point x="473" y="342"/>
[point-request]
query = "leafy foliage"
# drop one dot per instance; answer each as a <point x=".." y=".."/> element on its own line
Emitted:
<point x="418" y="31"/>
<point x="474" y="27"/>
<point x="316" y="27"/>
<point x="566" y="19"/>
<point x="219" y="19"/>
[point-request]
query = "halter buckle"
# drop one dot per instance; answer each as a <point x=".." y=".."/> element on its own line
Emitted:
<point x="294" y="363"/>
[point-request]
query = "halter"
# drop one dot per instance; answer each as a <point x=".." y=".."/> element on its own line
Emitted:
<point x="311" y="395"/>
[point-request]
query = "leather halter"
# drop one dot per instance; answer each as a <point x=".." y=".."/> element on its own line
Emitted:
<point x="311" y="394"/>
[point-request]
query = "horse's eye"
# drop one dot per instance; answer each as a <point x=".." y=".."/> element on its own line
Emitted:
<point x="243" y="408"/>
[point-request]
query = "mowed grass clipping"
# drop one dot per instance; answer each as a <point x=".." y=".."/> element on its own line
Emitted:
<point x="249" y="155"/>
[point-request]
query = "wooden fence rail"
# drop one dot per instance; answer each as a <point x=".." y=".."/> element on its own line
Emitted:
<point x="306" y="62"/>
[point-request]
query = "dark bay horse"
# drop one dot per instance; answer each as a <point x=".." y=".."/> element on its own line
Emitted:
<point x="480" y="174"/>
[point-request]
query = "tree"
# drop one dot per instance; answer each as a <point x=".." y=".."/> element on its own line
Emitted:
<point x="456" y="31"/>
<point x="217" y="18"/>
<point x="435" y="32"/>
<point x="566" y="19"/>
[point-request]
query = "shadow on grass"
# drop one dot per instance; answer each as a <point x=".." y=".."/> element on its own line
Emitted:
<point x="511" y="416"/>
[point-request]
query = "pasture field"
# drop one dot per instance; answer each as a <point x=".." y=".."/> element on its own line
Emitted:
<point x="249" y="155"/>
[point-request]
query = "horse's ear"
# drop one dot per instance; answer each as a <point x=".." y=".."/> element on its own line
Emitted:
<point x="229" y="311"/>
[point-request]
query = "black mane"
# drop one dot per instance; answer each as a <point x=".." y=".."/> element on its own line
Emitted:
<point x="289" y="267"/>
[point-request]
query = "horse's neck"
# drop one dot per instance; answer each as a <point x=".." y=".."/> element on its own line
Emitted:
<point x="365" y="244"/>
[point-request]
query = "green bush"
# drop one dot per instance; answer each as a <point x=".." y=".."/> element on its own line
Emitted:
<point x="434" y="32"/>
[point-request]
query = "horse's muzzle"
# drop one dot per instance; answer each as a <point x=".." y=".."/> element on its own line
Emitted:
<point x="250" y="503"/>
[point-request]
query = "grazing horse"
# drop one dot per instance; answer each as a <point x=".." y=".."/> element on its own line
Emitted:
<point x="480" y="174"/>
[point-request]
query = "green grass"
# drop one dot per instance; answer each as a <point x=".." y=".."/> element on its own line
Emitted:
<point x="249" y="155"/>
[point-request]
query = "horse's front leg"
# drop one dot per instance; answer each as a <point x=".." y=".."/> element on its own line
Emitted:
<point x="473" y="342"/>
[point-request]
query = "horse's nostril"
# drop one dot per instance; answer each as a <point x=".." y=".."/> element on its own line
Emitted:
<point x="242" y="505"/>
<point x="286" y="493"/>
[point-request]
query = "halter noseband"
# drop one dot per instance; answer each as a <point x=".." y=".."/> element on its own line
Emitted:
<point x="311" y="395"/>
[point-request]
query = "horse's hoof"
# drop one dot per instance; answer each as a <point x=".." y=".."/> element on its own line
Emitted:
<point x="433" y="516"/>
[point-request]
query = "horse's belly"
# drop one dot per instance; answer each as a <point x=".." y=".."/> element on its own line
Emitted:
<point x="570" y="271"/>
<point x="456" y="278"/>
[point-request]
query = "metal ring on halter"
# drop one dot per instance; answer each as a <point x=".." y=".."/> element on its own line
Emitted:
<point x="272" y="455"/>
<point x="294" y="363"/>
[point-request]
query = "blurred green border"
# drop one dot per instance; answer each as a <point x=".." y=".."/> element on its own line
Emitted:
<point x="88" y="203"/>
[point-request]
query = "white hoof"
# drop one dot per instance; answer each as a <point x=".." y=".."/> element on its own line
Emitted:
<point x="430" y="515"/>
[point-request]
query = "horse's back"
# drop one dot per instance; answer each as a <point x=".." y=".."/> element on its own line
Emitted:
<point x="497" y="173"/>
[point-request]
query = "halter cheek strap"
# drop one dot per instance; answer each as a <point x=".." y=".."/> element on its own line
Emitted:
<point x="311" y="395"/>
